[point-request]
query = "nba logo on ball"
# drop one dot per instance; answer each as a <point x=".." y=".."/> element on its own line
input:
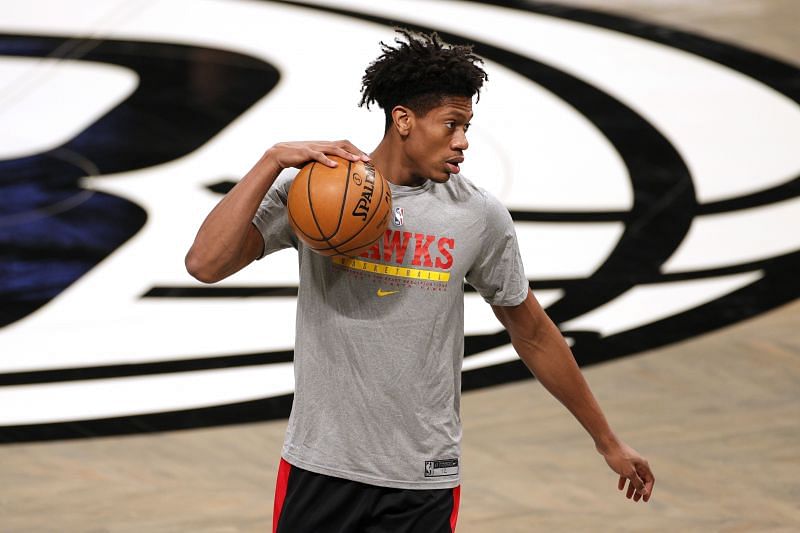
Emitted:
<point x="398" y="216"/>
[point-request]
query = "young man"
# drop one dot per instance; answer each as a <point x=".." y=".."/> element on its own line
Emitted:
<point x="378" y="357"/>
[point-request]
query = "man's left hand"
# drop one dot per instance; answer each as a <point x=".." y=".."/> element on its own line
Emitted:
<point x="632" y="468"/>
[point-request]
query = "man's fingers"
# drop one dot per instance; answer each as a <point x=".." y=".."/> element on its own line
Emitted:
<point x="322" y="158"/>
<point x="649" y="480"/>
<point x="346" y="154"/>
<point x="351" y="149"/>
<point x="648" y="488"/>
<point x="297" y="154"/>
<point x="636" y="487"/>
<point x="633" y="469"/>
<point x="343" y="149"/>
<point x="637" y="482"/>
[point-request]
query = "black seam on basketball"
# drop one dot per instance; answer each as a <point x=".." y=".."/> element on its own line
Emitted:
<point x="388" y="211"/>
<point x="331" y="247"/>
<point x="298" y="228"/>
<point x="371" y="216"/>
<point x="344" y="199"/>
<point x="311" y="206"/>
<point x="353" y="237"/>
<point x="371" y="244"/>
<point x="366" y="223"/>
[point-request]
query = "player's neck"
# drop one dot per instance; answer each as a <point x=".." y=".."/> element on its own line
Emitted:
<point x="394" y="165"/>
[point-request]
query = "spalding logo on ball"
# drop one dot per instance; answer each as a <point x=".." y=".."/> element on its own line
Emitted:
<point x="339" y="211"/>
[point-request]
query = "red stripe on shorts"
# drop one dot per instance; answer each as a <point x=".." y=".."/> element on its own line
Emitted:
<point x="456" y="501"/>
<point x="280" y="492"/>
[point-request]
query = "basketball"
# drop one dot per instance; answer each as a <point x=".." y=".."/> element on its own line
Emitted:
<point x="339" y="211"/>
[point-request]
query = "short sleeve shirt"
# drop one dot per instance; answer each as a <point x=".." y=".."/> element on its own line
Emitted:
<point x="380" y="337"/>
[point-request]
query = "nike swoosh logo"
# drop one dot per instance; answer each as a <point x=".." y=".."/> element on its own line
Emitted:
<point x="382" y="293"/>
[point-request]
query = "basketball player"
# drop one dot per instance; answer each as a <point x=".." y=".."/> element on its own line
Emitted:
<point x="373" y="441"/>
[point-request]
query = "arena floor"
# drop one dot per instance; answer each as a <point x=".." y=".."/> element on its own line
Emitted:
<point x="716" y="415"/>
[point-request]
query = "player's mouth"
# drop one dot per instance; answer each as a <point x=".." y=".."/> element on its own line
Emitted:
<point x="453" y="165"/>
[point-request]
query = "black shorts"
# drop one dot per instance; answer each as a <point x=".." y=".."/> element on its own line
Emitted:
<point x="306" y="502"/>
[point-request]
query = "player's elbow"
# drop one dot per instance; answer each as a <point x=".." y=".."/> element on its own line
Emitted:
<point x="199" y="268"/>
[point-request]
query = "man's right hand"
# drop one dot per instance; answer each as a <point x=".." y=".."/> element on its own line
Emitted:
<point x="296" y="154"/>
<point x="227" y="240"/>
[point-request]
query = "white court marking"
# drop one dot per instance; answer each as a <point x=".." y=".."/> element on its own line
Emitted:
<point x="527" y="146"/>
<point x="56" y="89"/>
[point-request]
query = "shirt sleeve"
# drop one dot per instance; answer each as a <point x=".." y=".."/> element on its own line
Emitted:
<point x="497" y="272"/>
<point x="271" y="219"/>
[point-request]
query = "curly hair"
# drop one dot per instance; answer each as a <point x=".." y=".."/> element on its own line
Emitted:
<point x="419" y="73"/>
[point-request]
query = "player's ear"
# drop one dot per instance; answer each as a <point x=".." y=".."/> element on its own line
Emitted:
<point x="402" y="118"/>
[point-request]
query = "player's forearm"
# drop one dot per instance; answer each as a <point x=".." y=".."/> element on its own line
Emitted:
<point x="541" y="346"/>
<point x="220" y="241"/>
<point x="549" y="358"/>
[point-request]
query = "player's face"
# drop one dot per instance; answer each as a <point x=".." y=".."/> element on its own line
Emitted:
<point x="438" y="139"/>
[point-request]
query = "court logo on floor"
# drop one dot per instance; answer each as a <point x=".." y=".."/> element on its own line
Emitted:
<point x="644" y="216"/>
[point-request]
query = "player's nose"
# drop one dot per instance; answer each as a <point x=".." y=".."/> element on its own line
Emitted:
<point x="460" y="141"/>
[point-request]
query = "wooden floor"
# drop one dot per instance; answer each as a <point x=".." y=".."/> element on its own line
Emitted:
<point x="718" y="417"/>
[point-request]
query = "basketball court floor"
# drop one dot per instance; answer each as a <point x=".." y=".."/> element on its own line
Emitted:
<point x="648" y="154"/>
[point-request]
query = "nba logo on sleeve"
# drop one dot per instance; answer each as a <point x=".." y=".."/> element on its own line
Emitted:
<point x="398" y="216"/>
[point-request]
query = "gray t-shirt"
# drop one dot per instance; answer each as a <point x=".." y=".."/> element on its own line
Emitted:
<point x="380" y="338"/>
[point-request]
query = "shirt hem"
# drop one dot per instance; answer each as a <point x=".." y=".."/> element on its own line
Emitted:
<point x="511" y="302"/>
<point x="451" y="482"/>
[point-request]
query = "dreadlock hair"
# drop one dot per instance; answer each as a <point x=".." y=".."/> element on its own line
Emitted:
<point x="419" y="73"/>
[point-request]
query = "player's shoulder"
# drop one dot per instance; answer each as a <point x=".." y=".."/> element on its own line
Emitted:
<point x="462" y="188"/>
<point x="493" y="209"/>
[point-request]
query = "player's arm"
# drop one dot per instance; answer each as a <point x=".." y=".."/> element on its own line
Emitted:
<point x="541" y="347"/>
<point x="227" y="240"/>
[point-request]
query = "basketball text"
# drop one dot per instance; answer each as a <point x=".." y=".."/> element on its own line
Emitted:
<point x="362" y="207"/>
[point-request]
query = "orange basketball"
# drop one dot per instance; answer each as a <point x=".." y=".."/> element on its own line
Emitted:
<point x="339" y="211"/>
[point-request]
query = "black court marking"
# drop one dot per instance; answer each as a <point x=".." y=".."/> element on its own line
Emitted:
<point x="144" y="369"/>
<point x="772" y="72"/>
<point x="779" y="193"/>
<point x="779" y="284"/>
<point x="664" y="202"/>
<point x="222" y="187"/>
<point x="474" y="344"/>
<point x="236" y="413"/>
<point x="221" y="292"/>
<point x="166" y="117"/>
<point x="229" y="291"/>
<point x="661" y="214"/>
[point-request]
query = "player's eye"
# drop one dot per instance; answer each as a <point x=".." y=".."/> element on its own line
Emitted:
<point x="450" y="124"/>
<point x="466" y="126"/>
